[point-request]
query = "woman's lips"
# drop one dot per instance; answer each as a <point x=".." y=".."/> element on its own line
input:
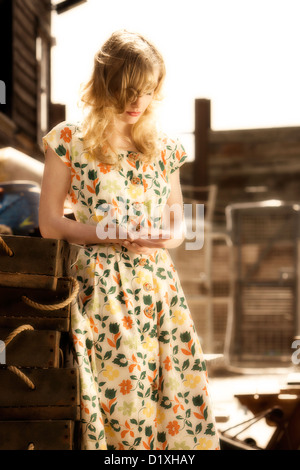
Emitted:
<point x="133" y="113"/>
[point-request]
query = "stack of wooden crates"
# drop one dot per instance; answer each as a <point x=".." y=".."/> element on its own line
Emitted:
<point x="39" y="391"/>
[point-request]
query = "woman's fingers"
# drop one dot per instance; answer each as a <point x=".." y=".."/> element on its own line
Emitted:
<point x="136" y="248"/>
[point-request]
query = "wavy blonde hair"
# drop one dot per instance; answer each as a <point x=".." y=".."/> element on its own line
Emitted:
<point x="124" y="68"/>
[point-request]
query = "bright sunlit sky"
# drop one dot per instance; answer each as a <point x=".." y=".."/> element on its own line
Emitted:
<point x="243" y="55"/>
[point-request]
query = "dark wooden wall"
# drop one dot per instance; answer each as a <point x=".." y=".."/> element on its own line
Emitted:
<point x="27" y="32"/>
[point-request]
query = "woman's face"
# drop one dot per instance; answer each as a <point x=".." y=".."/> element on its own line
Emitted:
<point x="135" y="109"/>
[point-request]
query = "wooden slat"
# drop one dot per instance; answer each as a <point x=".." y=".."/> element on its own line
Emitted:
<point x="28" y="98"/>
<point x="28" y="56"/>
<point x="55" y="389"/>
<point x="26" y="112"/>
<point x="44" y="435"/>
<point x="32" y="348"/>
<point x="24" y="126"/>
<point x="25" y="82"/>
<point x="34" y="255"/>
<point x="25" y="35"/>
<point x="24" y="17"/>
<point x="38" y="322"/>
<point x="12" y="304"/>
<point x="29" y="281"/>
<point x="24" y="66"/>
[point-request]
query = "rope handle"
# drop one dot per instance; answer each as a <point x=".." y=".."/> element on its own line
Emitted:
<point x="14" y="369"/>
<point x="56" y="306"/>
<point x="5" y="247"/>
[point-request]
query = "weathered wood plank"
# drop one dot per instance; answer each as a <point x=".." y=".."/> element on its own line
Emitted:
<point x="34" y="255"/>
<point x="29" y="281"/>
<point x="61" y="324"/>
<point x="24" y="16"/>
<point x="54" y="389"/>
<point x="12" y="303"/>
<point x="30" y="57"/>
<point x="43" y="435"/>
<point x="32" y="348"/>
<point x="24" y="66"/>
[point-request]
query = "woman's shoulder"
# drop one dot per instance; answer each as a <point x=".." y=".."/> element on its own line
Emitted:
<point x="168" y="141"/>
<point x="173" y="153"/>
<point x="67" y="129"/>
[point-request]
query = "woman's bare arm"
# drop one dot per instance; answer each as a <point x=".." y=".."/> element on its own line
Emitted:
<point x="53" y="224"/>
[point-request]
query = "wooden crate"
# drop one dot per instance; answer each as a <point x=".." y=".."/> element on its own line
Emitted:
<point x="37" y="435"/>
<point x="56" y="395"/>
<point x="14" y="312"/>
<point x="32" y="348"/>
<point x="34" y="257"/>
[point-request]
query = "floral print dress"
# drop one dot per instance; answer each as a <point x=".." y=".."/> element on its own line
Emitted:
<point x="142" y="371"/>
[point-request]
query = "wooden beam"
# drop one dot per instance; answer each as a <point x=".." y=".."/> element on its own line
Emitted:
<point x="202" y="128"/>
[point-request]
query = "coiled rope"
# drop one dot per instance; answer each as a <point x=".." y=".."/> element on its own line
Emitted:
<point x="56" y="306"/>
<point x="5" y="247"/>
<point x="14" y="369"/>
<point x="37" y="305"/>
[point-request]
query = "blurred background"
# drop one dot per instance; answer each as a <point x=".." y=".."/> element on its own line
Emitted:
<point x="232" y="96"/>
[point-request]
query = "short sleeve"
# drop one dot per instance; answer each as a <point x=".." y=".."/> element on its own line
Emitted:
<point x="177" y="156"/>
<point x="59" y="140"/>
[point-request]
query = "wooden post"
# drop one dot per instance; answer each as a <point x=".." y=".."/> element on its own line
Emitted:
<point x="202" y="126"/>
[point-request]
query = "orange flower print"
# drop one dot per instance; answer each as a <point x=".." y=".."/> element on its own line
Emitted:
<point x="104" y="168"/>
<point x="173" y="427"/>
<point x="77" y="341"/>
<point x="128" y="429"/>
<point x="93" y="326"/>
<point x="127" y="323"/>
<point x="125" y="387"/>
<point x="66" y="134"/>
<point x="167" y="363"/>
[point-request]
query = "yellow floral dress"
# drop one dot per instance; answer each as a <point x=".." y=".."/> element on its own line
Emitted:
<point x="143" y="375"/>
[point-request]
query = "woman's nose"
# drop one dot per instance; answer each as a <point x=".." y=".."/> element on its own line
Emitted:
<point x="136" y="103"/>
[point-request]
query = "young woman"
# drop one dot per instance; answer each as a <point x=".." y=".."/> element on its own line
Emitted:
<point x="143" y="376"/>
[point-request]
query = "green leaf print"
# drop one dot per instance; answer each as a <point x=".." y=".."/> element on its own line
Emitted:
<point x="209" y="430"/>
<point x="61" y="151"/>
<point x="114" y="328"/>
<point x="121" y="360"/>
<point x="110" y="393"/>
<point x="147" y="299"/>
<point x="92" y="175"/>
<point x="198" y="400"/>
<point x="185" y="337"/>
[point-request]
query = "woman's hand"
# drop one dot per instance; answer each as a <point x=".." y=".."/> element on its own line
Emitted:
<point x="145" y="243"/>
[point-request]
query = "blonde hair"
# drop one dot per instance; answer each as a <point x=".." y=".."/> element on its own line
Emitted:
<point x="124" y="68"/>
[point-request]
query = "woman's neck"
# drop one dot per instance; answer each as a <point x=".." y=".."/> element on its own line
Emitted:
<point x="121" y="138"/>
